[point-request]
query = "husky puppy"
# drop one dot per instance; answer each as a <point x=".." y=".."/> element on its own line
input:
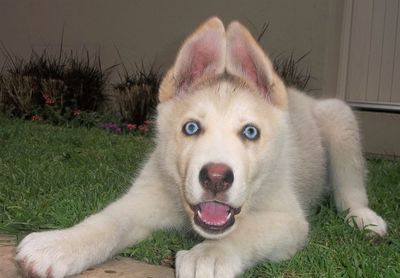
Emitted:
<point x="239" y="158"/>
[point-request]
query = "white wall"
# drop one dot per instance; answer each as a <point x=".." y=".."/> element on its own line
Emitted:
<point x="153" y="30"/>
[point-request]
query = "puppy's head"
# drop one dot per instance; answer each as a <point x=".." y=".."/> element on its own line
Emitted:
<point x="221" y="121"/>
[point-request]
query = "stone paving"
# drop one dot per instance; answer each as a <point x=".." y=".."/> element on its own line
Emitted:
<point x="117" y="267"/>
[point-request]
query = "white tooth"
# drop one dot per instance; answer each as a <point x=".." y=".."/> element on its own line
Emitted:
<point x="229" y="216"/>
<point x="199" y="214"/>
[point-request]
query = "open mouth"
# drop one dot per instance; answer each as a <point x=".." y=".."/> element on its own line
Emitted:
<point x="213" y="216"/>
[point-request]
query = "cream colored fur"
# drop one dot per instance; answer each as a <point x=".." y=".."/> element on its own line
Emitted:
<point x="307" y="147"/>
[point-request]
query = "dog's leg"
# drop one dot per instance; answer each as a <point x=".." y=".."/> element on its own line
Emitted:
<point x="146" y="207"/>
<point x="346" y="164"/>
<point x="274" y="236"/>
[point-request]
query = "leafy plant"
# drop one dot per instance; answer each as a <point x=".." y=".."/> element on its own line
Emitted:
<point x="86" y="119"/>
<point x="2" y="94"/>
<point x="147" y="127"/>
<point x="17" y="95"/>
<point x="53" y="86"/>
<point x="135" y="96"/>
<point x="85" y="80"/>
<point x="289" y="69"/>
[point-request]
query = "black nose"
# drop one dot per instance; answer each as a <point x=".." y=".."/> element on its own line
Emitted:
<point x="216" y="177"/>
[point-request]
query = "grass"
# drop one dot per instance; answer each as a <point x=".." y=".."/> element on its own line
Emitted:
<point x="53" y="177"/>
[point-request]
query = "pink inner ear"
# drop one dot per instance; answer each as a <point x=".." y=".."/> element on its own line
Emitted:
<point x="248" y="66"/>
<point x="202" y="57"/>
<point x="204" y="54"/>
<point x="245" y="61"/>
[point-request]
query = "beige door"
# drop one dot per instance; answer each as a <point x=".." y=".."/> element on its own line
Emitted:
<point x="369" y="70"/>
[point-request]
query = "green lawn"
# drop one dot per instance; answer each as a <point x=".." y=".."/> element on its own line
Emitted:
<point x="52" y="177"/>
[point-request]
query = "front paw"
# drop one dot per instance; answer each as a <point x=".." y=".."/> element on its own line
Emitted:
<point x="365" y="218"/>
<point x="47" y="254"/>
<point x="208" y="260"/>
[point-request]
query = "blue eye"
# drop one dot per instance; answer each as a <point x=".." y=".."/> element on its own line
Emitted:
<point x="250" y="132"/>
<point x="191" y="128"/>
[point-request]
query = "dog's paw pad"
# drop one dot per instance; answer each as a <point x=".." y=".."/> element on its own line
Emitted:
<point x="365" y="218"/>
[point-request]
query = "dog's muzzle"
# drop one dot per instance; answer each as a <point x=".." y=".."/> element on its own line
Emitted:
<point x="213" y="215"/>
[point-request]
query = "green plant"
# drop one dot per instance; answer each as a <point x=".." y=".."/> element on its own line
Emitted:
<point x="52" y="87"/>
<point x="291" y="72"/>
<point x="17" y="95"/>
<point x="2" y="95"/>
<point x="87" y="119"/>
<point x="38" y="66"/>
<point x="85" y="81"/>
<point x="135" y="97"/>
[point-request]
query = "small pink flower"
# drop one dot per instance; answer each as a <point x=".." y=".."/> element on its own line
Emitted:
<point x="143" y="128"/>
<point x="131" y="126"/>
<point x="76" y="113"/>
<point x="36" y="118"/>
<point x="49" y="100"/>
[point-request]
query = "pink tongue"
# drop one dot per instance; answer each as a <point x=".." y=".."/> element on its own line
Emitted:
<point x="214" y="213"/>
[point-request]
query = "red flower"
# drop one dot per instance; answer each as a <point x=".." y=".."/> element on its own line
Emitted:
<point x="131" y="126"/>
<point x="49" y="100"/>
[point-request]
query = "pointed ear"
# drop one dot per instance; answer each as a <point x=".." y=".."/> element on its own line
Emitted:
<point x="246" y="59"/>
<point x="202" y="54"/>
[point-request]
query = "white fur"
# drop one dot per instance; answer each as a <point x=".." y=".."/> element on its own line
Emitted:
<point x="304" y="145"/>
